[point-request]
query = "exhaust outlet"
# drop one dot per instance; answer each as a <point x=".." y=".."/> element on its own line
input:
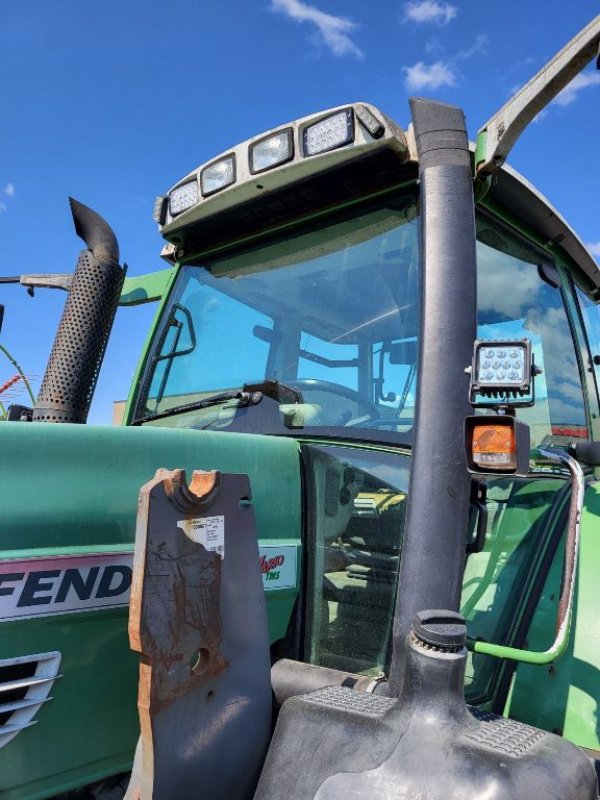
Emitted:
<point x="70" y="378"/>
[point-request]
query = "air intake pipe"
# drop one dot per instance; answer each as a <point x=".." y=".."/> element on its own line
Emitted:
<point x="339" y="744"/>
<point x="85" y="325"/>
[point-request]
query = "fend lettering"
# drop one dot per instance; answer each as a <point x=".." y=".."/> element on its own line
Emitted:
<point x="53" y="590"/>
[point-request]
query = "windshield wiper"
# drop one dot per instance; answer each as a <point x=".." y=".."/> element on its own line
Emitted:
<point x="250" y="395"/>
<point x="245" y="399"/>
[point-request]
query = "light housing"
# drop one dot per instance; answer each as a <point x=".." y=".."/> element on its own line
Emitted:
<point x="160" y="210"/>
<point x="501" y="367"/>
<point x="497" y="444"/>
<point x="374" y="126"/>
<point x="329" y="133"/>
<point x="218" y="175"/>
<point x="271" y="151"/>
<point x="183" y="197"/>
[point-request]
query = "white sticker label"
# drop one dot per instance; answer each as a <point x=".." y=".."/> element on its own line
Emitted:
<point x="207" y="531"/>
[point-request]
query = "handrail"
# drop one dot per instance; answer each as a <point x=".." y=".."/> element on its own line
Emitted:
<point x="565" y="604"/>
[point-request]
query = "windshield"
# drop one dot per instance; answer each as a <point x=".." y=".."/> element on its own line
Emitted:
<point x="309" y="333"/>
<point x="316" y="332"/>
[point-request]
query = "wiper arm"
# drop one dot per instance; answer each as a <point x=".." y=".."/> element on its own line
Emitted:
<point x="245" y="399"/>
<point x="250" y="395"/>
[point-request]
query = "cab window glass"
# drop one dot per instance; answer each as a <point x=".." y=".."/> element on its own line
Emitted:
<point x="494" y="578"/>
<point x="591" y="319"/>
<point x="358" y="502"/>
<point x="519" y="296"/>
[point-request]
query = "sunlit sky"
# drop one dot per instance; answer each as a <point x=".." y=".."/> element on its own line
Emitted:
<point x="113" y="102"/>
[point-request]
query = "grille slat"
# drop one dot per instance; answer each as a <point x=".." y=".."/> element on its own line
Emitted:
<point x="7" y="729"/>
<point x="24" y="683"/>
<point x="19" y="704"/>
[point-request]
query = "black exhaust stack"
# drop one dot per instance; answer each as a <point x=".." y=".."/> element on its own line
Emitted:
<point x="85" y="325"/>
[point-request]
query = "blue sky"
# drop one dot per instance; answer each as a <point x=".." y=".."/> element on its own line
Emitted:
<point x="113" y="102"/>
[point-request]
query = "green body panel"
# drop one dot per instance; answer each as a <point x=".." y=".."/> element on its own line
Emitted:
<point x="75" y="490"/>
<point x="146" y="288"/>
<point x="165" y="289"/>
<point x="563" y="697"/>
<point x="79" y="725"/>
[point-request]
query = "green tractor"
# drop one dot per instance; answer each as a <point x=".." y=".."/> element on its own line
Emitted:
<point x="396" y="339"/>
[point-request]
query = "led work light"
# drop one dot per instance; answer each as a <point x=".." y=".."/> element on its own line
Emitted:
<point x="217" y="175"/>
<point x="271" y="151"/>
<point x="183" y="197"/>
<point x="501" y="367"/>
<point x="329" y="133"/>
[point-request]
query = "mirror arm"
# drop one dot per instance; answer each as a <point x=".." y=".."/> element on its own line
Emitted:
<point x="496" y="138"/>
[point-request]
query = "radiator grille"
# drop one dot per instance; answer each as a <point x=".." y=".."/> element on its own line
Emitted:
<point x="25" y="684"/>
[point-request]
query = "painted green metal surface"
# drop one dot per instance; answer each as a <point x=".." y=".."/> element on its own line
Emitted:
<point x="480" y="147"/>
<point x="563" y="696"/>
<point x="146" y="288"/>
<point x="495" y="578"/>
<point x="75" y="490"/>
<point x="136" y="382"/>
<point x="525" y="656"/>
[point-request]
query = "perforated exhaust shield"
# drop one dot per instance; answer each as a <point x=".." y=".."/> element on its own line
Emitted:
<point x="85" y="325"/>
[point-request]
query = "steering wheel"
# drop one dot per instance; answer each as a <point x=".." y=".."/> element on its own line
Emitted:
<point x="365" y="407"/>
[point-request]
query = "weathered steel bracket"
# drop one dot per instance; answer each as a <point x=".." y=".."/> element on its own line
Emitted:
<point x="198" y="619"/>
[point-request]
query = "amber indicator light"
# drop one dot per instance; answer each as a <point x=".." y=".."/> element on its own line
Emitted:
<point x="494" y="446"/>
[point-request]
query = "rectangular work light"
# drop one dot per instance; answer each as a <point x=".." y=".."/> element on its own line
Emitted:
<point x="183" y="197"/>
<point x="501" y="367"/>
<point x="271" y="151"/>
<point x="218" y="175"/>
<point x="497" y="444"/>
<point x="329" y="133"/>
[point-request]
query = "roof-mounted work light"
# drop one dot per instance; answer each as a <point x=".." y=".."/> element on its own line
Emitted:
<point x="329" y="133"/>
<point x="218" y="175"/>
<point x="183" y="197"/>
<point x="271" y="151"/>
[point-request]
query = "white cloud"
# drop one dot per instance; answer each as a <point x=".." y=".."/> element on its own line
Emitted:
<point x="443" y="72"/>
<point x="333" y="31"/>
<point x="594" y="248"/>
<point x="429" y="76"/>
<point x="9" y="190"/>
<point x="429" y="11"/>
<point x="579" y="82"/>
<point x="2" y="206"/>
<point x="505" y="287"/>
<point x="478" y="48"/>
<point x="435" y="48"/>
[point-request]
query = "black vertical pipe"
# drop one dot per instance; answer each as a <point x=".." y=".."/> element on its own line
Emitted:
<point x="70" y="378"/>
<point x="433" y="553"/>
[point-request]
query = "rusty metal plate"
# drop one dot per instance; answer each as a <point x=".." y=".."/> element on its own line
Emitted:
<point x="198" y="619"/>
